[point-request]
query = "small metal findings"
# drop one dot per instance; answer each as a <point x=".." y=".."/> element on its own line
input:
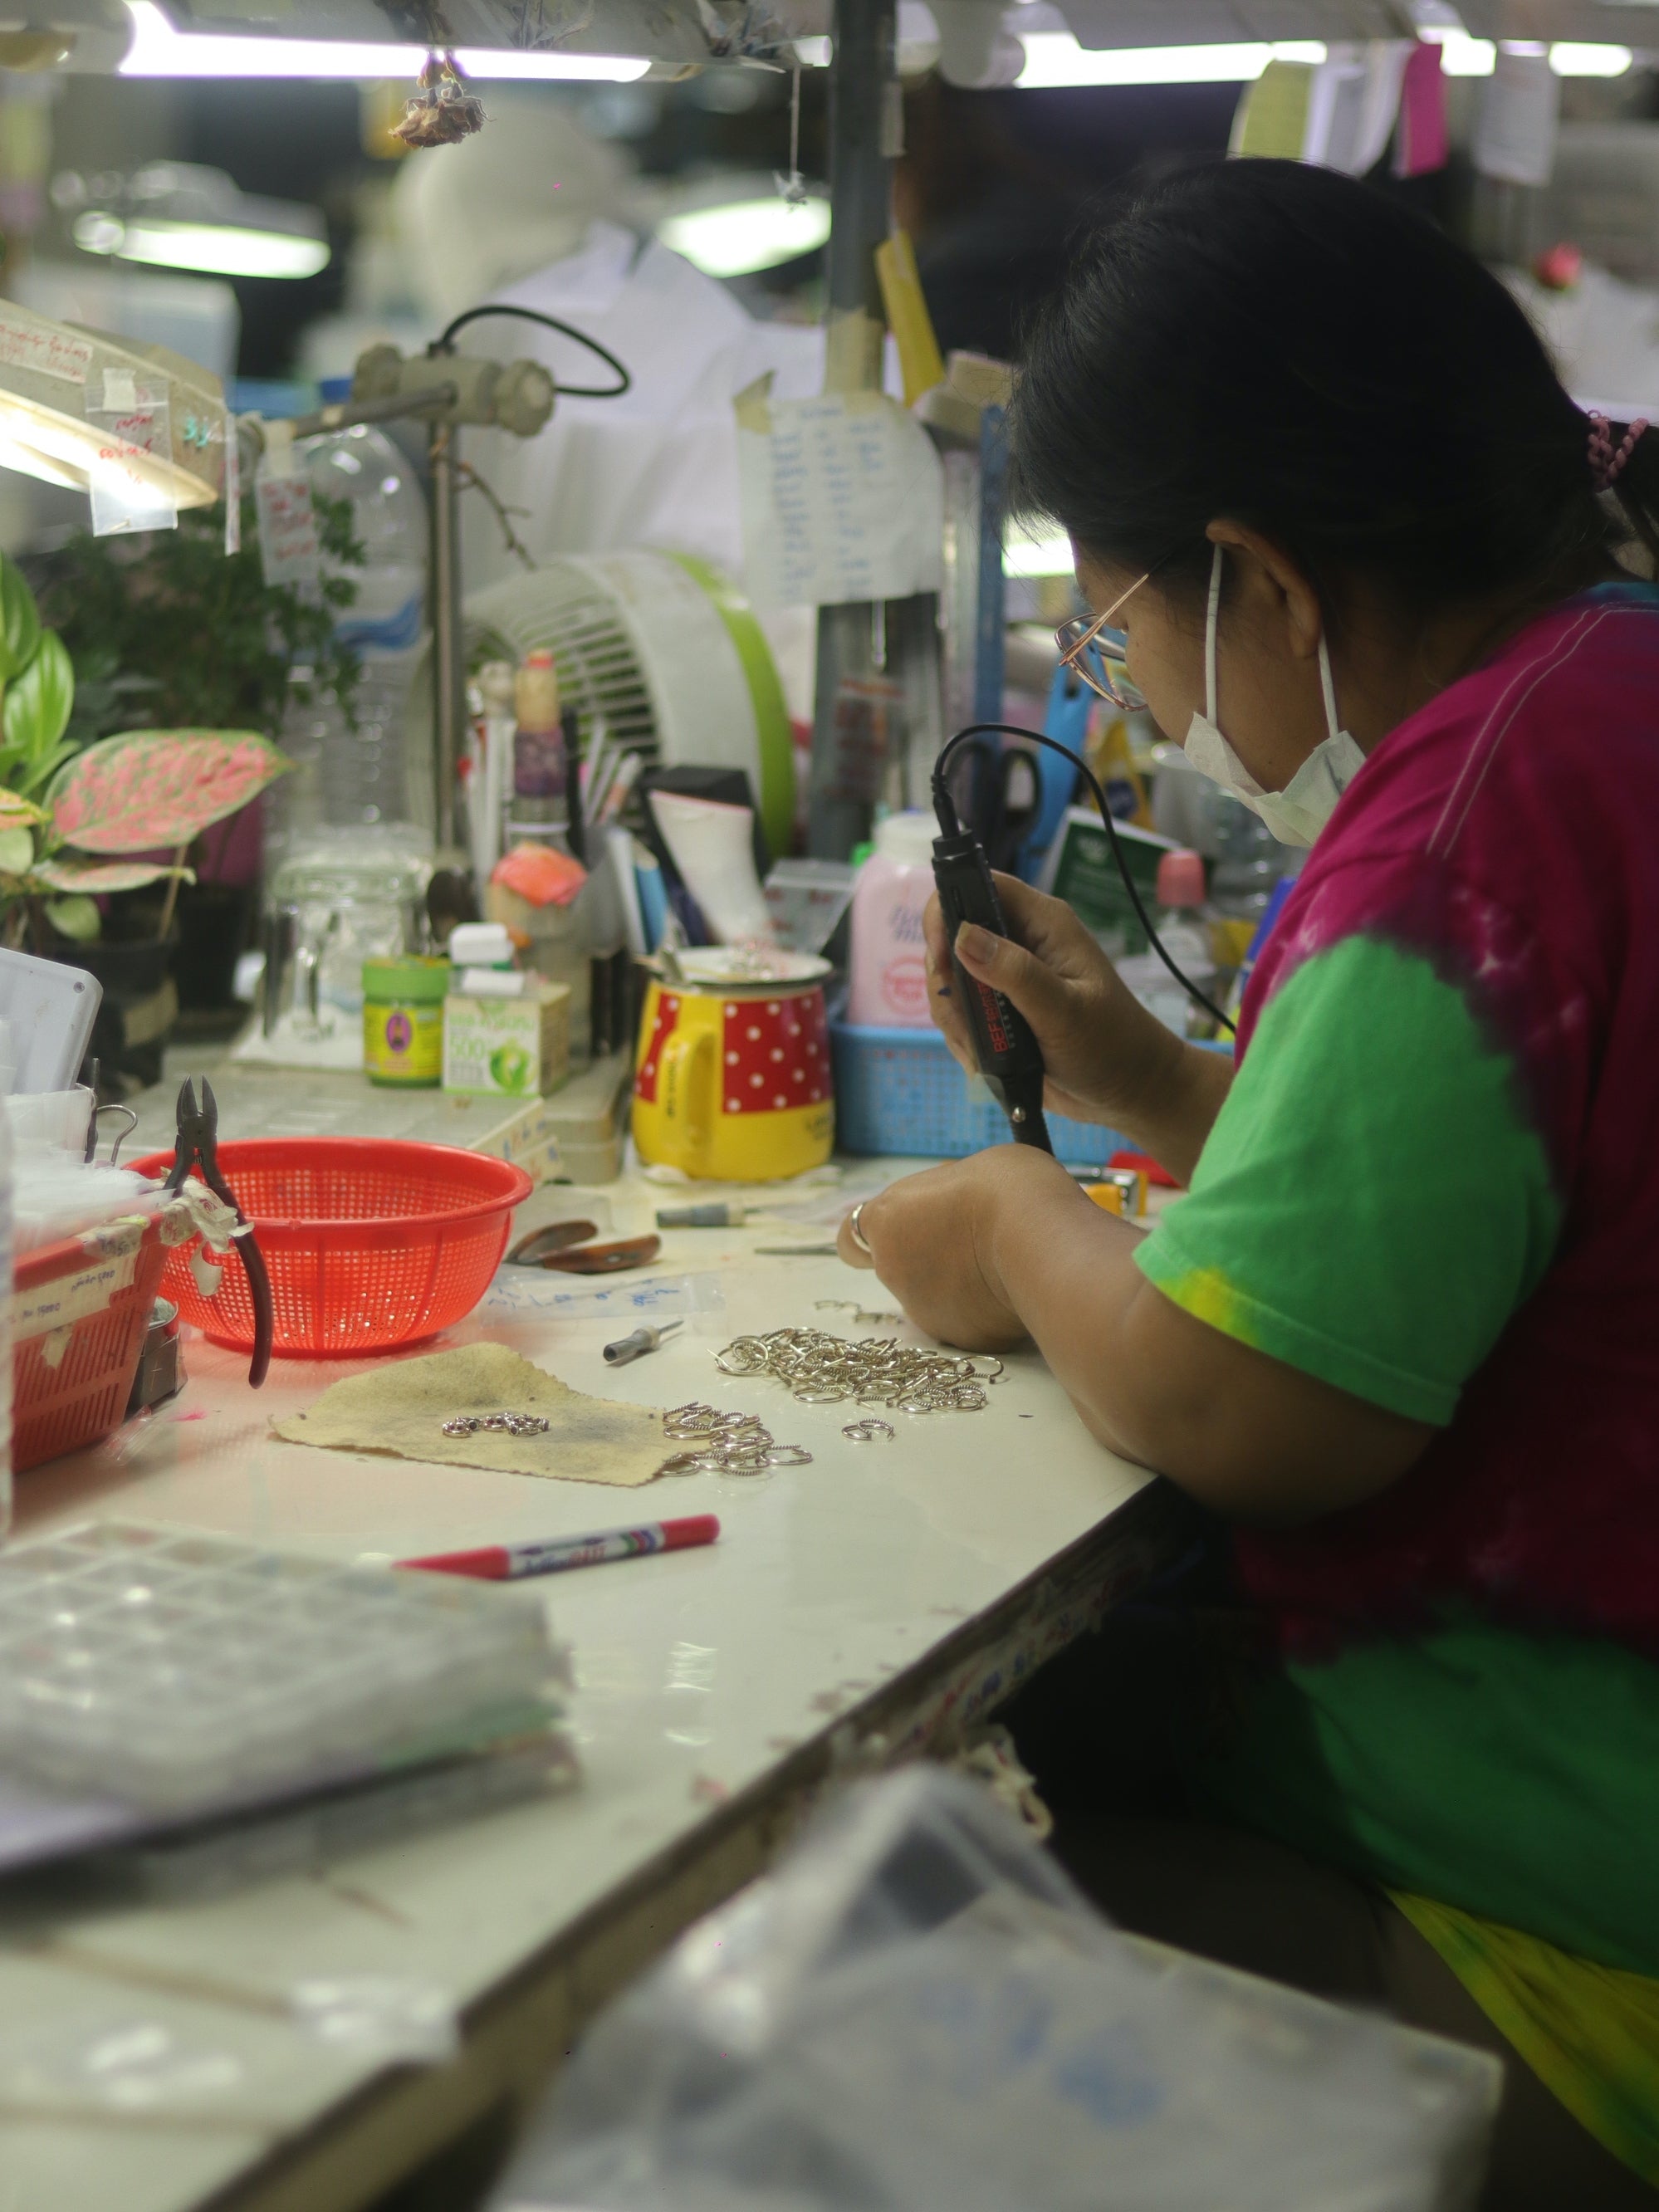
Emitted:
<point x="819" y="1369"/>
<point x="725" y="1443"/>
<point x="869" y="1432"/>
<point x="509" y="1424"/>
<point x="517" y="1424"/>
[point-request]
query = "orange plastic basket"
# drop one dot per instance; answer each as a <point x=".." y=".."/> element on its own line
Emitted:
<point x="70" y="1389"/>
<point x="370" y="1243"/>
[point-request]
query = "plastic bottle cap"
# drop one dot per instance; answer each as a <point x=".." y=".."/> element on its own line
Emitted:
<point x="1181" y="879"/>
<point x="907" y="838"/>
<point x="480" y="944"/>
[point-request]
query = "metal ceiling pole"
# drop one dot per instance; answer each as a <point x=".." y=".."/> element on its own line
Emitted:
<point x="448" y="648"/>
<point x="852" y="640"/>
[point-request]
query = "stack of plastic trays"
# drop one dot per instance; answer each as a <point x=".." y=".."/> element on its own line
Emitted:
<point x="174" y="1672"/>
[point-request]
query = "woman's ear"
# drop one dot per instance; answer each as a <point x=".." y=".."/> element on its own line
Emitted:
<point x="1271" y="587"/>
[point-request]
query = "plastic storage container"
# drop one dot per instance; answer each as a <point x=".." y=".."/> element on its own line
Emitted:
<point x="899" y="1091"/>
<point x="71" y="1392"/>
<point x="889" y="980"/>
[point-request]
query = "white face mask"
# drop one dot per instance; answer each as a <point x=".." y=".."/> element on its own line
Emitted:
<point x="1297" y="814"/>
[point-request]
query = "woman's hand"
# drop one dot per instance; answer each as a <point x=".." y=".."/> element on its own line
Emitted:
<point x="929" y="1238"/>
<point x="1107" y="1058"/>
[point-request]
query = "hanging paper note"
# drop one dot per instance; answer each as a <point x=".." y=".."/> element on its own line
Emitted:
<point x="842" y="497"/>
<point x="1271" y="120"/>
<point x="1422" y="142"/>
<point x="289" y="552"/>
<point x="1515" y="134"/>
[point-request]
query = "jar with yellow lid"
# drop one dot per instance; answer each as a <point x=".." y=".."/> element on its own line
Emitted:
<point x="404" y="1021"/>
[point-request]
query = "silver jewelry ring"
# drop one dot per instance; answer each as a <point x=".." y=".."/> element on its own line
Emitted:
<point x="858" y="1235"/>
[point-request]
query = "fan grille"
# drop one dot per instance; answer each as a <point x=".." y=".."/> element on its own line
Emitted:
<point x="599" y="671"/>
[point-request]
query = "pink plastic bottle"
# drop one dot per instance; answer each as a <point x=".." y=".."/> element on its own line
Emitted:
<point x="889" y="985"/>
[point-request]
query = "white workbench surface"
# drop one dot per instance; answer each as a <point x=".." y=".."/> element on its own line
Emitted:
<point x="849" y="1607"/>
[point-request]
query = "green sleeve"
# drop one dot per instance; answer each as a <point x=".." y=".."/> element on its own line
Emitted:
<point x="1372" y="1203"/>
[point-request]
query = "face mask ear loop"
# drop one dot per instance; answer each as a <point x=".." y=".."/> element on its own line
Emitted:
<point x="1333" y="727"/>
<point x="1211" y="621"/>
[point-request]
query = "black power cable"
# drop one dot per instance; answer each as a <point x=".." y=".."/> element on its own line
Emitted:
<point x="945" y="806"/>
<point x="445" y="343"/>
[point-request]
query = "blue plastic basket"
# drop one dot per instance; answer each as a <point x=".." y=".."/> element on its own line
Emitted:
<point x="899" y="1091"/>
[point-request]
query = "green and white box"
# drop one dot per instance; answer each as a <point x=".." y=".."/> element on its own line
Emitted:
<point x="517" y="1048"/>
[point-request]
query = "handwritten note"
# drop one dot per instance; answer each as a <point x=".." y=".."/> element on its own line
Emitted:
<point x="842" y="500"/>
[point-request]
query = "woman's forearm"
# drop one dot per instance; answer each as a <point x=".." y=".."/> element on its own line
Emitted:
<point x="1175" y="1108"/>
<point x="1246" y="1435"/>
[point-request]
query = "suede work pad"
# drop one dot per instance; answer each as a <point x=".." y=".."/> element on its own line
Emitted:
<point x="400" y="1408"/>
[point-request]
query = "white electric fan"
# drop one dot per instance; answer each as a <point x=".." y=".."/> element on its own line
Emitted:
<point x="666" y="650"/>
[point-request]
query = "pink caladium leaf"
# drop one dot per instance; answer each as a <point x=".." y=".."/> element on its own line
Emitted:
<point x="92" y="877"/>
<point x="148" y="787"/>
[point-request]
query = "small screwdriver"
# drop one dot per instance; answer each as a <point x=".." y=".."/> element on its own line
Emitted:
<point x="644" y="1339"/>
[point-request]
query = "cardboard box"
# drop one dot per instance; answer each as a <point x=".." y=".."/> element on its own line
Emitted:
<point x="508" y="1047"/>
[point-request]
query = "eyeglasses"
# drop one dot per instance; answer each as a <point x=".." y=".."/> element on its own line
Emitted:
<point x="1097" y="654"/>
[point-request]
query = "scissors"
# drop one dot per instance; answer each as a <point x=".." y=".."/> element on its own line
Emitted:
<point x="197" y="1149"/>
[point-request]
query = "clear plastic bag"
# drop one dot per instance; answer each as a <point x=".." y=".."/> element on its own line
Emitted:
<point x="916" y="2011"/>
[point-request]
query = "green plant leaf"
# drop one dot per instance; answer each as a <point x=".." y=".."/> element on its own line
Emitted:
<point x="16" y="810"/>
<point x="20" y="622"/>
<point x="148" y="787"/>
<point x="30" y="777"/>
<point x="76" y="917"/>
<point x="38" y="702"/>
<point x="73" y="875"/>
<point x="16" y="851"/>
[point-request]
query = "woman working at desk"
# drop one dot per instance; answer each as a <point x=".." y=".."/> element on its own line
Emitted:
<point x="1404" y="1331"/>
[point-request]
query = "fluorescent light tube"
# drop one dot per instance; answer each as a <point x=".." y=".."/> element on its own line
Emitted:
<point x="158" y="49"/>
<point x="215" y="249"/>
<point x="745" y="236"/>
<point x="1055" y="58"/>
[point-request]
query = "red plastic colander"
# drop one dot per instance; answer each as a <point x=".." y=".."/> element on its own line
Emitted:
<point x="370" y="1243"/>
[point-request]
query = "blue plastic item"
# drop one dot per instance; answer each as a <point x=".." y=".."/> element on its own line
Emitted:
<point x="1070" y="700"/>
<point x="899" y="1091"/>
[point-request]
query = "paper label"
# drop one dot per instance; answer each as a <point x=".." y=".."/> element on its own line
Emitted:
<point x="46" y="352"/>
<point x="844" y="500"/>
<point x="71" y="1297"/>
<point x="124" y="497"/>
<point x="289" y="552"/>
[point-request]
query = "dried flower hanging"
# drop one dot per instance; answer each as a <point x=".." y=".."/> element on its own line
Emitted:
<point x="444" y="110"/>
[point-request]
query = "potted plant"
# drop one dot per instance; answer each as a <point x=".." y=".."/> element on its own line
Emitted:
<point x="77" y="819"/>
<point x="167" y="631"/>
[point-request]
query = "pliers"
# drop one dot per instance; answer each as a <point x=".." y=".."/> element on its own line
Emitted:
<point x="197" y="1148"/>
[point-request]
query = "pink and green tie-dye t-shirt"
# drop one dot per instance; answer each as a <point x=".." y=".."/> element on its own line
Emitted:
<point x="1436" y="1186"/>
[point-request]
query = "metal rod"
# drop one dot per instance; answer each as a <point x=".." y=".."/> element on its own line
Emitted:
<point x="448" y="654"/>
<point x="863" y="94"/>
<point x="342" y="413"/>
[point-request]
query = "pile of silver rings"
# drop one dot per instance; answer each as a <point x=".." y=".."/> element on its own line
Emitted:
<point x="509" y="1424"/>
<point x="725" y="1443"/>
<point x="818" y="1370"/>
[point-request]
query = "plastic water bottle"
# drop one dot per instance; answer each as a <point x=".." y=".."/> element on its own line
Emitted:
<point x="362" y="773"/>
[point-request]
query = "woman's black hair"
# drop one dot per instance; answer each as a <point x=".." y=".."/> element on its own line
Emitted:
<point x="1295" y="350"/>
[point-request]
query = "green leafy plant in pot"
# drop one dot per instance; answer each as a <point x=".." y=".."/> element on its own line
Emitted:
<point x="75" y="818"/>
